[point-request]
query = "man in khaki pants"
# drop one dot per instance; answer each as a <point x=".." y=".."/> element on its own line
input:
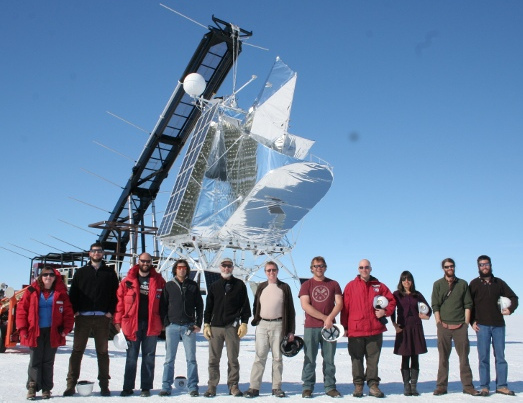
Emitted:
<point x="452" y="304"/>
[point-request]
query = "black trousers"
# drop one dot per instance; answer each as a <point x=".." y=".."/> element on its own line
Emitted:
<point x="41" y="361"/>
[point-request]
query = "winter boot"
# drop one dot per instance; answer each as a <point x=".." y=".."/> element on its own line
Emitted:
<point x="405" y="373"/>
<point x="414" y="373"/>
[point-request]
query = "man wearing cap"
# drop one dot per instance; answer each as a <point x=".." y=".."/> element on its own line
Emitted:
<point x="227" y="312"/>
<point x="138" y="316"/>
<point x="452" y="304"/>
<point x="93" y="296"/>
<point x="183" y="320"/>
<point x="321" y="299"/>
<point x="487" y="319"/>
<point x="364" y="325"/>
<point x="274" y="318"/>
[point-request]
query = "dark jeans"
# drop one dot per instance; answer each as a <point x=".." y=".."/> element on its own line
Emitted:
<point x="368" y="348"/>
<point x="148" y="344"/>
<point x="99" y="325"/>
<point x="41" y="361"/>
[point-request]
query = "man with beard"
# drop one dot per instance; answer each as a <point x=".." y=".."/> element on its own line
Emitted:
<point x="93" y="296"/>
<point x="488" y="322"/>
<point x="452" y="304"/>
<point x="138" y="315"/>
<point x="227" y="305"/>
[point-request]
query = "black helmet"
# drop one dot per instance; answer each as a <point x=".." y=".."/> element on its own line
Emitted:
<point x="291" y="348"/>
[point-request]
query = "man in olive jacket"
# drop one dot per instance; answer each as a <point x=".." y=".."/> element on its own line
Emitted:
<point x="452" y="304"/>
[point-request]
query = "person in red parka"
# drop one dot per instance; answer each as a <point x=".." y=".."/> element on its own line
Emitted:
<point x="139" y="316"/>
<point x="364" y="324"/>
<point x="44" y="316"/>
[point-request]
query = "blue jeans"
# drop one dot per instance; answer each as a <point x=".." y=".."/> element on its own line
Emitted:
<point x="496" y="335"/>
<point x="312" y="339"/>
<point x="173" y="334"/>
<point x="148" y="344"/>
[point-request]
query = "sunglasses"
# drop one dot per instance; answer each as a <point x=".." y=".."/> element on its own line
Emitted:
<point x="318" y="266"/>
<point x="144" y="261"/>
<point x="48" y="274"/>
<point x="226" y="265"/>
<point x="271" y="270"/>
<point x="97" y="250"/>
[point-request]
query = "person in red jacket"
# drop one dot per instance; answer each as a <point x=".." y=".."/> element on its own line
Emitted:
<point x="44" y="316"/>
<point x="364" y="325"/>
<point x="138" y="316"/>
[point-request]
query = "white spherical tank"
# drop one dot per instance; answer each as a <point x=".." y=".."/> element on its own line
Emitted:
<point x="194" y="84"/>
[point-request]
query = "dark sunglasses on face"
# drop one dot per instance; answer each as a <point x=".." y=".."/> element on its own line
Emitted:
<point x="48" y="275"/>
<point x="227" y="265"/>
<point x="271" y="270"/>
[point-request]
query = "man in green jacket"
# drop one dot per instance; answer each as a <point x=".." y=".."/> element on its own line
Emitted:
<point x="452" y="304"/>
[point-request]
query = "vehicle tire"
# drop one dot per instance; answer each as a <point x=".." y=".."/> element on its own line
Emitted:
<point x="3" y="331"/>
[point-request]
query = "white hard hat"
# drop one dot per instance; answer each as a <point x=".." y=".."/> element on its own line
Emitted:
<point x="332" y="334"/>
<point x="380" y="302"/>
<point x="84" y="388"/>
<point x="180" y="382"/>
<point x="504" y="303"/>
<point x="423" y="308"/>
<point x="119" y="341"/>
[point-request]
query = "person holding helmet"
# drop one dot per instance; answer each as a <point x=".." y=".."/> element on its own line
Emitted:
<point x="488" y="323"/>
<point x="364" y="325"/>
<point x="321" y="299"/>
<point x="138" y="315"/>
<point x="227" y="312"/>
<point x="44" y="316"/>
<point x="452" y="304"/>
<point x="274" y="318"/>
<point x="411" y="307"/>
<point x="183" y="320"/>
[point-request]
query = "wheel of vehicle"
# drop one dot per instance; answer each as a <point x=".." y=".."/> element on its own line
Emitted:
<point x="3" y="331"/>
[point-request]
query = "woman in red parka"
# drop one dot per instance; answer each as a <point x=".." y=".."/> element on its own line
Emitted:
<point x="44" y="316"/>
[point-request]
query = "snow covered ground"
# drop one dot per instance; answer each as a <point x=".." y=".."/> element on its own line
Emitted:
<point x="13" y="370"/>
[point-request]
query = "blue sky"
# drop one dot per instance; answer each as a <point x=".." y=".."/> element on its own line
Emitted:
<point x="416" y="104"/>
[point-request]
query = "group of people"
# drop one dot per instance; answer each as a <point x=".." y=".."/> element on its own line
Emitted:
<point x="143" y="304"/>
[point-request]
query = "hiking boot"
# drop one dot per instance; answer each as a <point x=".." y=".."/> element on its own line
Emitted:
<point x="235" y="391"/>
<point x="333" y="393"/>
<point x="251" y="393"/>
<point x="69" y="391"/>
<point x="46" y="394"/>
<point x="278" y="393"/>
<point x="164" y="393"/>
<point x="193" y="393"/>
<point x="375" y="391"/>
<point x="471" y="391"/>
<point x="440" y="390"/>
<point x="358" y="390"/>
<point x="211" y="392"/>
<point x="126" y="392"/>
<point x="145" y="393"/>
<point x="505" y="391"/>
<point x="307" y="394"/>
<point x="105" y="392"/>
<point x="31" y="391"/>
<point x="484" y="392"/>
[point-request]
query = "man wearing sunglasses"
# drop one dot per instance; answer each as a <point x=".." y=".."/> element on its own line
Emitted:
<point x="93" y="296"/>
<point x="488" y="322"/>
<point x="452" y="304"/>
<point x="321" y="299"/>
<point x="138" y="315"/>
<point x="364" y="326"/>
<point x="274" y="318"/>
<point x="227" y="312"/>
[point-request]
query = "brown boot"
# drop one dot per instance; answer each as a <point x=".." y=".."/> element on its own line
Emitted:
<point x="31" y="391"/>
<point x="358" y="390"/>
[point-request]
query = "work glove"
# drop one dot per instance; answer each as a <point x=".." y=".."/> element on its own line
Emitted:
<point x="207" y="331"/>
<point x="242" y="330"/>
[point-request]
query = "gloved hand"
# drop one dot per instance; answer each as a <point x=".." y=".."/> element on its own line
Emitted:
<point x="207" y="331"/>
<point x="242" y="330"/>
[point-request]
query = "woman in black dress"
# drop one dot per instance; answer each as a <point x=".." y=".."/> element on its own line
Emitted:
<point x="411" y="307"/>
